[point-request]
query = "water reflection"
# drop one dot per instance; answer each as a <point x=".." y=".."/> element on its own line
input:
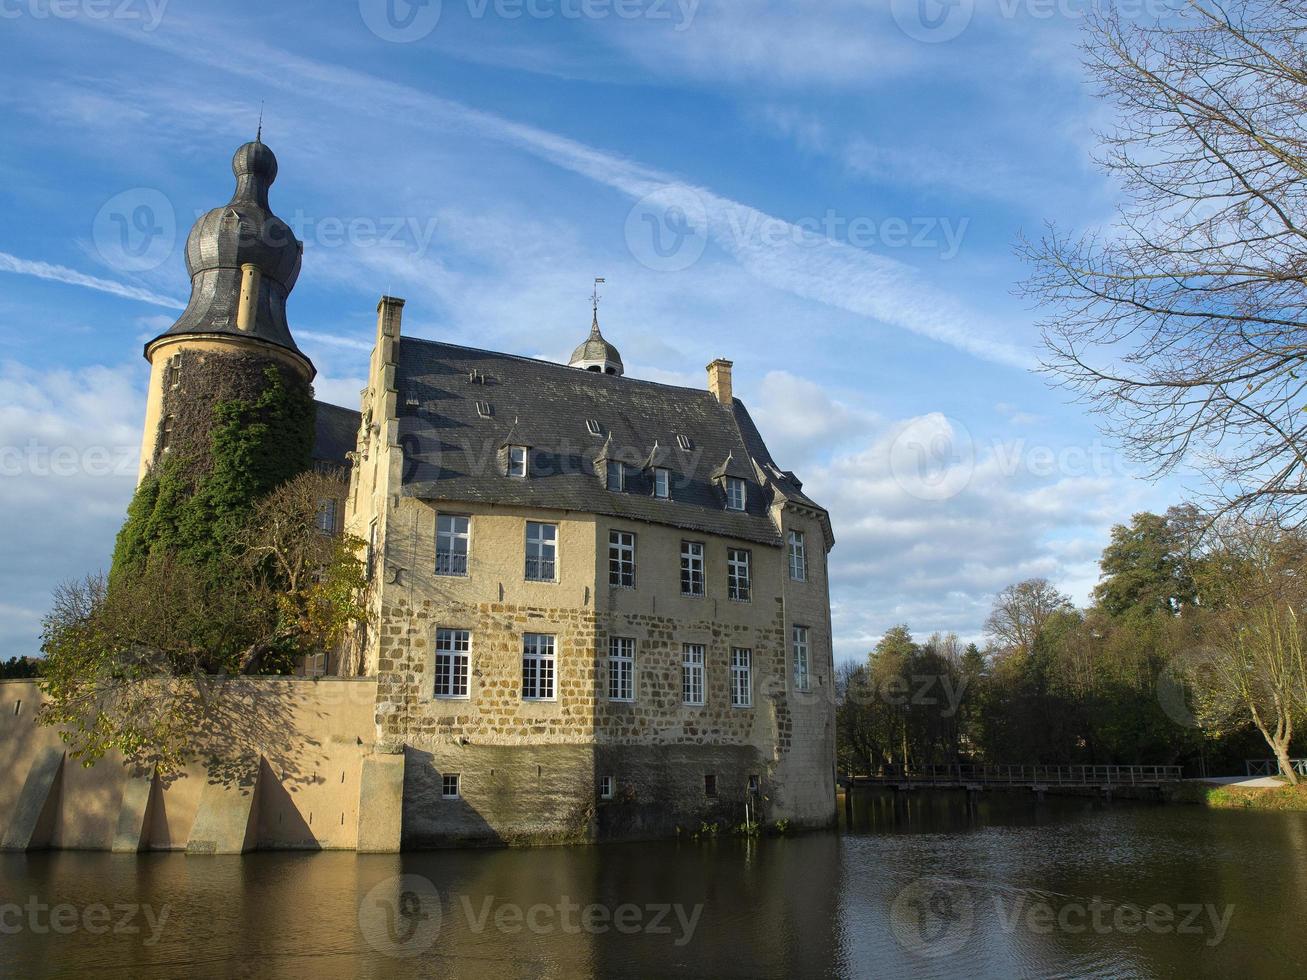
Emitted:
<point x="923" y="885"/>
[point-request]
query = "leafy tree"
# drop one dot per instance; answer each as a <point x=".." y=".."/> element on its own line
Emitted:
<point x="128" y="660"/>
<point x="1144" y="568"/>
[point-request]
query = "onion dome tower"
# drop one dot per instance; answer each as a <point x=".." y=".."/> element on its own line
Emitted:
<point x="243" y="261"/>
<point x="595" y="353"/>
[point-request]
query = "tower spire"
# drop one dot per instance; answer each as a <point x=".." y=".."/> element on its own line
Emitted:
<point x="258" y="137"/>
<point x="597" y="354"/>
<point x="594" y="305"/>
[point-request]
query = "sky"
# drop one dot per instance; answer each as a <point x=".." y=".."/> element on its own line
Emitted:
<point x="826" y="193"/>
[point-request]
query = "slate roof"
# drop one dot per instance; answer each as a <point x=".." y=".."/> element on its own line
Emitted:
<point x="335" y="433"/>
<point x="452" y="452"/>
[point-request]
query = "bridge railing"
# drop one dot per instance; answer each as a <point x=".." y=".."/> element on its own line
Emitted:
<point x="1271" y="767"/>
<point x="1053" y="775"/>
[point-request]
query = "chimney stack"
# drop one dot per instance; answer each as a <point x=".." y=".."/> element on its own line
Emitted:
<point x="719" y="381"/>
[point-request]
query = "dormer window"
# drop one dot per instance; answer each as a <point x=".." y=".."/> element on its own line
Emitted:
<point x="517" y="464"/>
<point x="737" y="495"/>
<point x="592" y="427"/>
<point x="662" y="483"/>
<point x="615" y="476"/>
<point x="684" y="443"/>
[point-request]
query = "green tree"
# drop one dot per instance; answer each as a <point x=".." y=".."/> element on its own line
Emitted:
<point x="1145" y="568"/>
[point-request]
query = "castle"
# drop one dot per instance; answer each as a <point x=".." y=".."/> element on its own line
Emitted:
<point x="599" y="608"/>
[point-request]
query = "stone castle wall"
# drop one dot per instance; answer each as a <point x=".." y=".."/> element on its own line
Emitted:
<point x="285" y="764"/>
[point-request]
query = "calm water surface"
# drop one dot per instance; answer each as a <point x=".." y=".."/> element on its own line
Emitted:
<point x="1062" y="888"/>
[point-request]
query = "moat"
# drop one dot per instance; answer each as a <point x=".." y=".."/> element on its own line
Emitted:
<point x="1066" y="887"/>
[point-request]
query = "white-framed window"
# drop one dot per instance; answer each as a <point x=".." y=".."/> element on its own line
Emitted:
<point x="606" y="786"/>
<point x="449" y="786"/>
<point x="538" y="667"/>
<point x="541" y="552"/>
<point x="327" y="519"/>
<point x="615" y="476"/>
<point x="800" y="648"/>
<point x="662" y="483"/>
<point x="621" y="559"/>
<point x="517" y="462"/>
<point x="621" y="668"/>
<point x="165" y="435"/>
<point x="741" y="678"/>
<point x="692" y="581"/>
<point x="739" y="574"/>
<point x="798" y="552"/>
<point x="737" y="496"/>
<point x="692" y="679"/>
<point x="453" y="535"/>
<point x="174" y="371"/>
<point x="453" y="662"/>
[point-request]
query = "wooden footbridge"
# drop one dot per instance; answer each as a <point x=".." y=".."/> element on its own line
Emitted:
<point x="1037" y="778"/>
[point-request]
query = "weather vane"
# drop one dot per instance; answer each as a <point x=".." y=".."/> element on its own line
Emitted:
<point x="594" y="296"/>
<point x="258" y="137"/>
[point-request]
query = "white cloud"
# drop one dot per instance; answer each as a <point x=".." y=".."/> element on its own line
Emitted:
<point x="787" y="258"/>
<point x="69" y="445"/>
<point x="59" y="273"/>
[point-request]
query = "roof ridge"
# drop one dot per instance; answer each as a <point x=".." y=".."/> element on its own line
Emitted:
<point x="557" y="364"/>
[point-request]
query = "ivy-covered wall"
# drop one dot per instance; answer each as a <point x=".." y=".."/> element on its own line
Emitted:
<point x="238" y="425"/>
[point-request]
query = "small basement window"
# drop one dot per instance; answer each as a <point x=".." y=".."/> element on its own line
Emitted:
<point x="606" y="784"/>
<point x="710" y="784"/>
<point x="517" y="464"/>
<point x="449" y="786"/>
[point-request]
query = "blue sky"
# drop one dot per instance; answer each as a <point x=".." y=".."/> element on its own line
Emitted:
<point x="835" y="188"/>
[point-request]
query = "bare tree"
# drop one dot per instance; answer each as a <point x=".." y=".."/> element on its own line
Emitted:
<point x="1020" y="611"/>
<point x="1183" y="325"/>
<point x="1254" y="670"/>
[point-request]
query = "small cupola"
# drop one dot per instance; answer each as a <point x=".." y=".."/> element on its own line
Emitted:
<point x="597" y="354"/>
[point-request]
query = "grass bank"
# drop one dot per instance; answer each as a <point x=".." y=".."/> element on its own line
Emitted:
<point x="1242" y="797"/>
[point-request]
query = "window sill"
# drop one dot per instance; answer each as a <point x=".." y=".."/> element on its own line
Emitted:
<point x="451" y="697"/>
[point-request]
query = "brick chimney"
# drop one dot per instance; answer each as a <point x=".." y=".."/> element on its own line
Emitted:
<point x="719" y="381"/>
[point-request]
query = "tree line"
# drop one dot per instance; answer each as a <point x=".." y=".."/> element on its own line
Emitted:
<point x="1191" y="652"/>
